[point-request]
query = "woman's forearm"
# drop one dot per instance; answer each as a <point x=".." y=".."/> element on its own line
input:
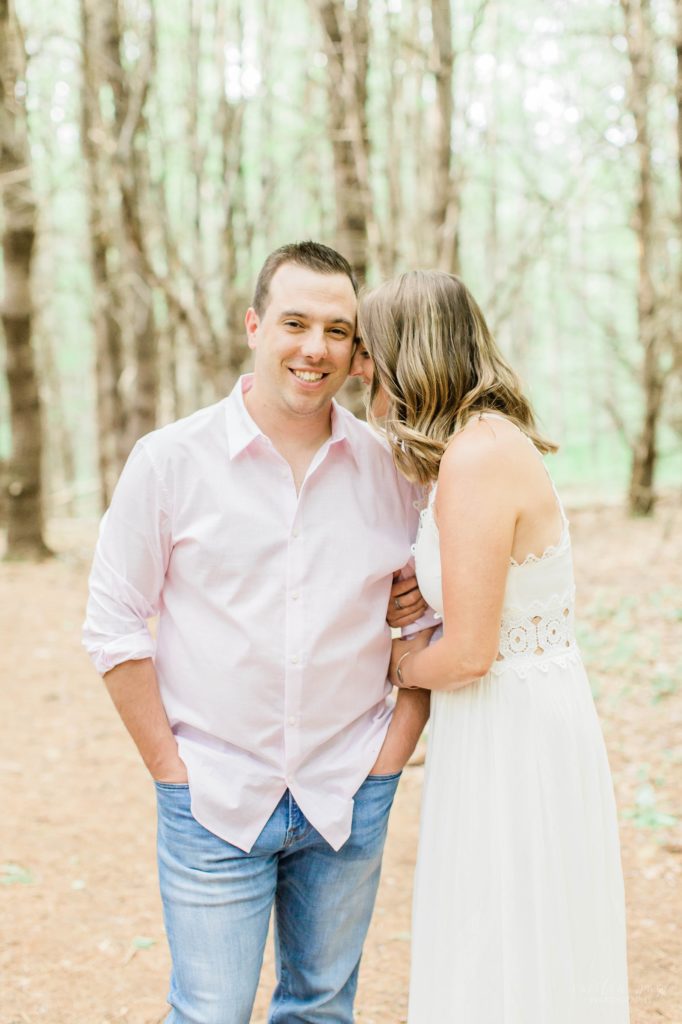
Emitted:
<point x="444" y="665"/>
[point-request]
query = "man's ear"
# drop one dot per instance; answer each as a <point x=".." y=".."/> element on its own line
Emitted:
<point x="252" y="323"/>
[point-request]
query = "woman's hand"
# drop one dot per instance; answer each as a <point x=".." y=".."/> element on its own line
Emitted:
<point x="406" y="603"/>
<point x="403" y="647"/>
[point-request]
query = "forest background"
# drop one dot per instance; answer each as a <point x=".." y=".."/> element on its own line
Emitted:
<point x="153" y="154"/>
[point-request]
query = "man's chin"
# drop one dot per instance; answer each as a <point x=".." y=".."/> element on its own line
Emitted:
<point x="302" y="405"/>
<point x="310" y="402"/>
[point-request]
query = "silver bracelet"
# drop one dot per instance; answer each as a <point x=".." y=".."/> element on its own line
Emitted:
<point x="399" y="672"/>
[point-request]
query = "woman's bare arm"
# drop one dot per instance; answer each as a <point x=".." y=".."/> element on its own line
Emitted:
<point x="477" y="507"/>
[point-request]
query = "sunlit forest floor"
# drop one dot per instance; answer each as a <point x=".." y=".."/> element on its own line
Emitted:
<point x="82" y="939"/>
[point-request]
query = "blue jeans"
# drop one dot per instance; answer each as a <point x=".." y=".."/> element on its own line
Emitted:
<point x="217" y="902"/>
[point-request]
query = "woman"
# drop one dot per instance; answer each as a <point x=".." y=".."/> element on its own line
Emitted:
<point x="519" y="910"/>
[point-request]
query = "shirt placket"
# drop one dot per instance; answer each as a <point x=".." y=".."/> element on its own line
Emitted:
<point x="295" y="636"/>
<point x="296" y="633"/>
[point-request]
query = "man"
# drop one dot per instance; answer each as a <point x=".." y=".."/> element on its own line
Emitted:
<point x="265" y="532"/>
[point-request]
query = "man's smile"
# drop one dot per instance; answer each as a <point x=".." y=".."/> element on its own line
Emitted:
<point x="308" y="376"/>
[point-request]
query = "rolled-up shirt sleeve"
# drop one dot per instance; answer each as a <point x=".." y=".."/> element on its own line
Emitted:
<point x="129" y="566"/>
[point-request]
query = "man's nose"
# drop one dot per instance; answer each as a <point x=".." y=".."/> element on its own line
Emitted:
<point x="314" y="345"/>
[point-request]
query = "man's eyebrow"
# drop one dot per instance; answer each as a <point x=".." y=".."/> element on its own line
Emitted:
<point x="306" y="316"/>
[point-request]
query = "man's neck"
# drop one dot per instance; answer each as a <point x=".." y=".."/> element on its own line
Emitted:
<point x="288" y="432"/>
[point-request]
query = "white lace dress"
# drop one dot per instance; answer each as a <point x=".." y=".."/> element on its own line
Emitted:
<point x="518" y="907"/>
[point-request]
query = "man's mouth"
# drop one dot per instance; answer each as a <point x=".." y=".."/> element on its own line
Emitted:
<point x="309" y="376"/>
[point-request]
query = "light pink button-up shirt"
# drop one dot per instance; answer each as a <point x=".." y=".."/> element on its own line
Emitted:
<point x="272" y="646"/>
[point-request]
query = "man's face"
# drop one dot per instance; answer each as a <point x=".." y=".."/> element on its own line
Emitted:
<point x="303" y="340"/>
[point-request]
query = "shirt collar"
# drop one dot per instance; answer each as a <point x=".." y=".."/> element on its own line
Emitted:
<point x="242" y="428"/>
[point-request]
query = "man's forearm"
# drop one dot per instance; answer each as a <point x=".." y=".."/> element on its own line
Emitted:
<point x="407" y="724"/>
<point x="409" y="718"/>
<point x="134" y="689"/>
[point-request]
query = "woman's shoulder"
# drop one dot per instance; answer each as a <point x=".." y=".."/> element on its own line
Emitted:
<point x="485" y="443"/>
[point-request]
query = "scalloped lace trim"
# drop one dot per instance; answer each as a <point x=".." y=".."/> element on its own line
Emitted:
<point x="530" y="559"/>
<point x="523" y="667"/>
<point x="549" y="552"/>
<point x="544" y="606"/>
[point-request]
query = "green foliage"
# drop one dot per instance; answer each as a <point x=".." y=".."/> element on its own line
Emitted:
<point x="663" y="685"/>
<point x="15" y="874"/>
<point x="645" y="813"/>
<point x="544" y="157"/>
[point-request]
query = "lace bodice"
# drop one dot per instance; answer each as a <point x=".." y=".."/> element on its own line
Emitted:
<point x="537" y="626"/>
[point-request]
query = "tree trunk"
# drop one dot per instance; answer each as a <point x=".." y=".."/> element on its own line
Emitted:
<point x="493" y="233"/>
<point x="346" y="40"/>
<point x="677" y="309"/>
<point x="104" y="238"/>
<point x="678" y="104"/>
<point x="130" y="94"/>
<point x="23" y="481"/>
<point x="231" y="349"/>
<point x="446" y="197"/>
<point x="420" y="248"/>
<point x="395" y="115"/>
<point x="58" y="439"/>
<point x="641" y="496"/>
<point x="145" y="397"/>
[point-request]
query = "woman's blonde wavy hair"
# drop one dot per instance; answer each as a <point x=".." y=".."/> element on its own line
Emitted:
<point x="438" y="364"/>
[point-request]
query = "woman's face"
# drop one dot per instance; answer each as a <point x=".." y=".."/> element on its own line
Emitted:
<point x="362" y="366"/>
<point x="361" y="363"/>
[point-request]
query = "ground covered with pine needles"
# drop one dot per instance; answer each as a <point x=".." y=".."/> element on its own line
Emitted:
<point x="81" y="936"/>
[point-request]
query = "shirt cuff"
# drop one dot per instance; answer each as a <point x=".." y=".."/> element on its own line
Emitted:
<point x="427" y="621"/>
<point x="123" y="648"/>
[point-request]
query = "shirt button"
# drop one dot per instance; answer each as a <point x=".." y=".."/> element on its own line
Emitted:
<point x="294" y="532"/>
<point x="294" y="660"/>
<point x="294" y="595"/>
<point x="292" y="719"/>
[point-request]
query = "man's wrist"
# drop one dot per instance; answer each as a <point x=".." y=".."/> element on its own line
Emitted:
<point x="177" y="776"/>
<point x="410" y="715"/>
<point x="168" y="769"/>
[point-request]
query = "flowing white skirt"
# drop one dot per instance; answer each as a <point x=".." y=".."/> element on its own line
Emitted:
<point x="518" y="909"/>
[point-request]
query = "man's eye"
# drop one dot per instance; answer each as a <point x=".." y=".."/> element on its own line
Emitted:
<point x="339" y="332"/>
<point x="292" y="323"/>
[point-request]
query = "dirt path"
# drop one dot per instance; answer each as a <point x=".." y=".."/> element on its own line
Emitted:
<point x="81" y="939"/>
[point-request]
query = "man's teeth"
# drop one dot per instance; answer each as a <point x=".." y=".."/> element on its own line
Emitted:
<point x="306" y="375"/>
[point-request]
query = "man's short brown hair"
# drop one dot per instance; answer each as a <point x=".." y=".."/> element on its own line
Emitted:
<point x="313" y="255"/>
